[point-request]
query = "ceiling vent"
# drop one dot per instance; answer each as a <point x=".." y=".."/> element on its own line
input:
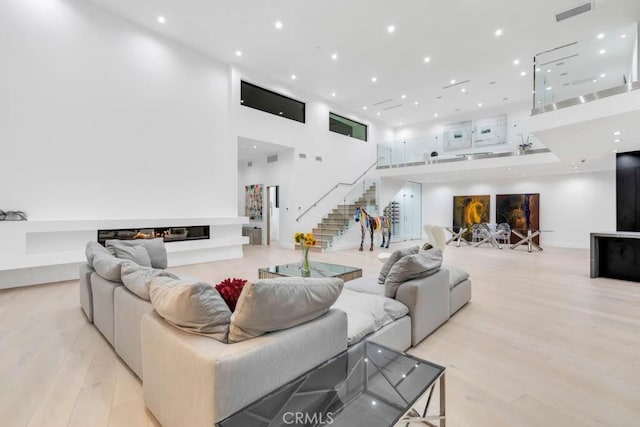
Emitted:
<point x="249" y="164"/>
<point x="392" y="107"/>
<point x="302" y="155"/>
<point x="383" y="102"/>
<point x="583" y="8"/>
<point x="318" y="158"/>
<point x="271" y="159"/>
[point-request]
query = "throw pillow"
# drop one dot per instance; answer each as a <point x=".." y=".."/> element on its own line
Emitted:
<point x="230" y="290"/>
<point x="94" y="248"/>
<point x="135" y="253"/>
<point x="410" y="267"/>
<point x="456" y="275"/>
<point x="275" y="304"/>
<point x="108" y="267"/>
<point x="138" y="279"/>
<point x="395" y="257"/>
<point x="194" y="307"/>
<point x="155" y="249"/>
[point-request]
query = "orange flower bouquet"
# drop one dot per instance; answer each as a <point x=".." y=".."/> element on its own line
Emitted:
<point x="306" y="242"/>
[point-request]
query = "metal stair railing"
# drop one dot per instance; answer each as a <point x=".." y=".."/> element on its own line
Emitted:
<point x="340" y="184"/>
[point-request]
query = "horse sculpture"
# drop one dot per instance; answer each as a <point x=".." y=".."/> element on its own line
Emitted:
<point x="373" y="223"/>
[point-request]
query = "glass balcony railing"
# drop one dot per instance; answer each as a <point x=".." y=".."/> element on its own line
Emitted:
<point x="600" y="65"/>
<point x="430" y="150"/>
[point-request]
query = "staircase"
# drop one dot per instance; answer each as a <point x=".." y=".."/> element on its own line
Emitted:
<point x="341" y="217"/>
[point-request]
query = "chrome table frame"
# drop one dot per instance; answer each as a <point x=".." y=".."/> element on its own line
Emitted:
<point x="490" y="237"/>
<point x="413" y="416"/>
<point x="457" y="237"/>
<point x="528" y="240"/>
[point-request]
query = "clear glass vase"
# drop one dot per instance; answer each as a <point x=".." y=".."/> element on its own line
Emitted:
<point x="304" y="264"/>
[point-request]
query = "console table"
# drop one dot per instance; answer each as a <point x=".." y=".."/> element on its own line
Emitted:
<point x="616" y="255"/>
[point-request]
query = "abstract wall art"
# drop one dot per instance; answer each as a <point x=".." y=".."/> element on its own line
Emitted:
<point x="469" y="210"/>
<point x="457" y="136"/>
<point x="520" y="211"/>
<point x="490" y="131"/>
<point x="253" y="202"/>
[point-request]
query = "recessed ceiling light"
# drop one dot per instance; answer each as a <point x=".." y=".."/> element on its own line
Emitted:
<point x="364" y="108"/>
<point x="516" y="62"/>
<point x="278" y="25"/>
<point x="549" y="88"/>
<point x="378" y="113"/>
<point x="603" y="51"/>
<point x="479" y="104"/>
<point x="549" y="70"/>
<point x="624" y="36"/>
<point x="293" y="77"/>
<point x="280" y="113"/>
<point x="600" y="36"/>
<point x="255" y="146"/>
<point x="603" y="75"/>
<point x="334" y="56"/>
<point x="618" y="132"/>
<point x="463" y="90"/>
<point x="238" y="53"/>
<point x="374" y="79"/>
<point x="523" y="73"/>
<point x="537" y="70"/>
<point x="499" y="32"/>
<point x="391" y="29"/>
<point x="161" y="19"/>
<point x="415" y="103"/>
<point x="595" y="80"/>
<point x="452" y="81"/>
<point x="435" y="114"/>
<point x="427" y="59"/>
<point x="333" y="94"/>
<point x="509" y="168"/>
<point x="617" y="140"/>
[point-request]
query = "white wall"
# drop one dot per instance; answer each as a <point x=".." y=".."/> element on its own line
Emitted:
<point x="572" y="206"/>
<point x="343" y="158"/>
<point x="100" y="118"/>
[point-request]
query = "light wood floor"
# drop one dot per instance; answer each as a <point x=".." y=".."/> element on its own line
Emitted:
<point x="540" y="344"/>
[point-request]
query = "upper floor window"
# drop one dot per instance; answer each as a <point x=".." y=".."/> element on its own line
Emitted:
<point x="271" y="102"/>
<point x="347" y="127"/>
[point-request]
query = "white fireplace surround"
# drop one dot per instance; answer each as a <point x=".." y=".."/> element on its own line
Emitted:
<point x="35" y="252"/>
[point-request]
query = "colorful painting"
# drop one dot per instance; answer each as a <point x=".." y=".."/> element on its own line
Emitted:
<point x="253" y="202"/>
<point x="520" y="211"/>
<point x="469" y="210"/>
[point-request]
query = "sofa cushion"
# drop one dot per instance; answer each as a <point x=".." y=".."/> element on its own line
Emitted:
<point x="395" y="257"/>
<point x="108" y="267"/>
<point x="456" y="275"/>
<point x="413" y="266"/>
<point x="138" y="278"/>
<point x="155" y="249"/>
<point x="195" y="307"/>
<point x="365" y="284"/>
<point x="94" y="248"/>
<point x="135" y="253"/>
<point x="366" y="313"/>
<point x="274" y="304"/>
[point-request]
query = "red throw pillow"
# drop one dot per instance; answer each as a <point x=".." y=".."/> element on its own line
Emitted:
<point x="230" y="290"/>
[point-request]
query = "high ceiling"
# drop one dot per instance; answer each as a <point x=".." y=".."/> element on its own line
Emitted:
<point x="458" y="37"/>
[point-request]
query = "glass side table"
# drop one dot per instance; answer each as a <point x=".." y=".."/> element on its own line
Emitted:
<point x="367" y="385"/>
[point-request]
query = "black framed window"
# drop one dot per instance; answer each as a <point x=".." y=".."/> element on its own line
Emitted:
<point x="347" y="127"/>
<point x="262" y="99"/>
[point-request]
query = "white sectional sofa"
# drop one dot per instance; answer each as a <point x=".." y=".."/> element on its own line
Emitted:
<point x="194" y="380"/>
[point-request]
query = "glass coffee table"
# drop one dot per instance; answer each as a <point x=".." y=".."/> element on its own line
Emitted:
<point x="367" y="385"/>
<point x="318" y="269"/>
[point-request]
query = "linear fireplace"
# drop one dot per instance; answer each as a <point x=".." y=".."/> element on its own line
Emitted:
<point x="168" y="234"/>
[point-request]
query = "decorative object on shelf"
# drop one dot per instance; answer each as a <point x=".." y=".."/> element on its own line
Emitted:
<point x="306" y="242"/>
<point x="373" y="223"/>
<point x="12" y="216"/>
<point x="520" y="211"/>
<point x="230" y="290"/>
<point x="253" y="202"/>
<point x="469" y="210"/>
